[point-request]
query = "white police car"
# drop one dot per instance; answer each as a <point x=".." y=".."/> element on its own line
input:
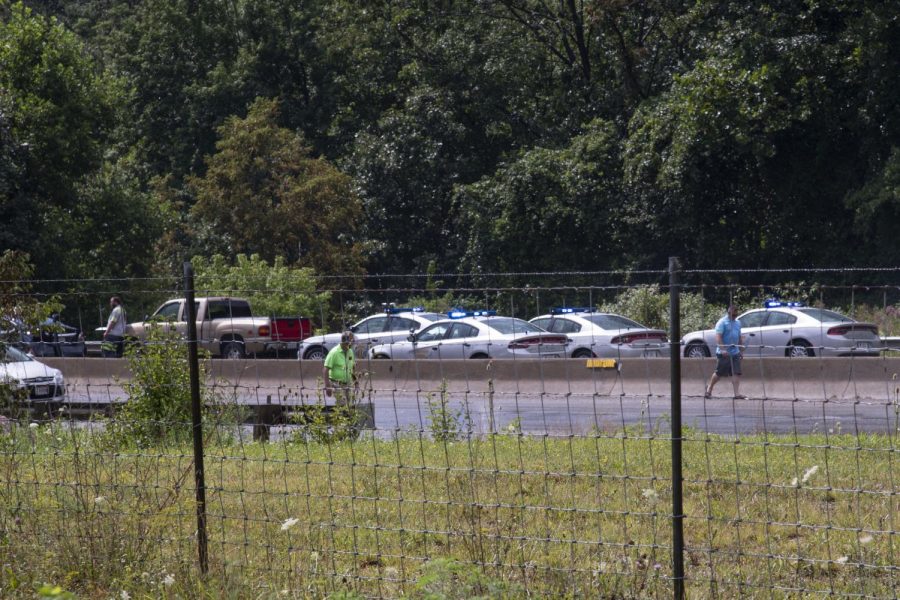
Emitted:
<point x="476" y="334"/>
<point x="395" y="323"/>
<point x="604" y="335"/>
<point x="793" y="329"/>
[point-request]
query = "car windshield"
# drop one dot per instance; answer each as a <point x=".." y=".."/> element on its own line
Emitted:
<point x="825" y="316"/>
<point x="507" y="325"/>
<point x="613" y="322"/>
<point x="8" y="354"/>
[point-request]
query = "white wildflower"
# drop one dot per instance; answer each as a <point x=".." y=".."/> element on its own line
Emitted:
<point x="168" y="580"/>
<point x="794" y="482"/>
<point x="289" y="523"/>
<point x="125" y="595"/>
<point x="99" y="500"/>
<point x="842" y="560"/>
<point x="650" y="495"/>
<point x="314" y="556"/>
<point x="391" y="573"/>
<point x="33" y="425"/>
<point x="866" y="539"/>
<point x="809" y="473"/>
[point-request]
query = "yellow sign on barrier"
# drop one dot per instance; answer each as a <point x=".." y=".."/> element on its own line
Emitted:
<point x="601" y="363"/>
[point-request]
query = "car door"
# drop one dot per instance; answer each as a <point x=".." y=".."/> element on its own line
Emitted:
<point x="369" y="332"/>
<point x="458" y="341"/>
<point x="572" y="329"/>
<point x="216" y="310"/>
<point x="751" y="323"/>
<point x="777" y="332"/>
<point x="164" y="317"/>
<point x="398" y="329"/>
<point x="428" y="341"/>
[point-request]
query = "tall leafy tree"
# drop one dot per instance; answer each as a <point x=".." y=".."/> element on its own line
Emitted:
<point x="549" y="209"/>
<point x="264" y="193"/>
<point x="57" y="114"/>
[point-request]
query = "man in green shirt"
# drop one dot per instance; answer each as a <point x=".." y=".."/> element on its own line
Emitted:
<point x="337" y="372"/>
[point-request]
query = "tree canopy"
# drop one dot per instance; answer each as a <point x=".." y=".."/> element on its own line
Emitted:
<point x="388" y="136"/>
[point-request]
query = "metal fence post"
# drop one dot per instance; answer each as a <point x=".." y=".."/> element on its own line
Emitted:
<point x="675" y="373"/>
<point x="196" y="416"/>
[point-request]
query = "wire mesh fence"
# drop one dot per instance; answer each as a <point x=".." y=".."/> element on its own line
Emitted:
<point x="454" y="474"/>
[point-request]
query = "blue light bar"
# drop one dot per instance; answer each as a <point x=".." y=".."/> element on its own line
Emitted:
<point x="458" y="313"/>
<point x="565" y="310"/>
<point x="779" y="303"/>
<point x="393" y="310"/>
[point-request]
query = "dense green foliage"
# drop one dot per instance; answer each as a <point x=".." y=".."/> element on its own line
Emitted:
<point x="478" y="136"/>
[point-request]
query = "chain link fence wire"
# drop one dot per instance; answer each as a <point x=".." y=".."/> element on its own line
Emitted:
<point x="457" y="477"/>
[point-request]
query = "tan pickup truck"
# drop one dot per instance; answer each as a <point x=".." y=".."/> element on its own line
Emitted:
<point x="226" y="327"/>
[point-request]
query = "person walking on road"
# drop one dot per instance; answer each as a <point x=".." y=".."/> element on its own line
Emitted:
<point x="338" y="370"/>
<point x="114" y="336"/>
<point x="729" y="353"/>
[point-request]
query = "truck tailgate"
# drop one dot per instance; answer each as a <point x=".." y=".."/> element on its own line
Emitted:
<point x="291" y="329"/>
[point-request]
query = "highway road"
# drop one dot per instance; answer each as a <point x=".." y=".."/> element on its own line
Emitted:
<point x="563" y="397"/>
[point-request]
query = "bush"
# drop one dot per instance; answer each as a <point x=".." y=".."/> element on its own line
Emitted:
<point x="159" y="392"/>
<point x="649" y="306"/>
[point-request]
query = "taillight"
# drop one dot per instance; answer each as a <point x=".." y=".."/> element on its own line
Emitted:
<point x="845" y="329"/>
<point x="537" y="341"/>
<point x="264" y="331"/>
<point x="630" y="338"/>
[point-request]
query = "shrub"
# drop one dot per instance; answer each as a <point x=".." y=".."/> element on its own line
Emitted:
<point x="159" y="392"/>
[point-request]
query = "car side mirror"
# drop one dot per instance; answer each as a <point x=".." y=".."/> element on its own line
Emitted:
<point x="411" y="337"/>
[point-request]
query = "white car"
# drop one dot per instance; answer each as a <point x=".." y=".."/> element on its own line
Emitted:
<point x="395" y="323"/>
<point x="476" y="334"/>
<point x="792" y="329"/>
<point x="31" y="381"/>
<point x="604" y="335"/>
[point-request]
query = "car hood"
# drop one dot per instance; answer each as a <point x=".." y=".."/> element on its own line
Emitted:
<point x="26" y="370"/>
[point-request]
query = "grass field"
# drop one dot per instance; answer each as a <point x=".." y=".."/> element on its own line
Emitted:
<point x="502" y="516"/>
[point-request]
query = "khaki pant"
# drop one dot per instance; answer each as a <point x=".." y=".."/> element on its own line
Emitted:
<point x="344" y="393"/>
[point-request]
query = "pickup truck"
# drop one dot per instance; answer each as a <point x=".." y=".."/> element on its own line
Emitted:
<point x="226" y="327"/>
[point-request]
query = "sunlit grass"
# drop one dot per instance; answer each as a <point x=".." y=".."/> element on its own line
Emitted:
<point x="546" y="516"/>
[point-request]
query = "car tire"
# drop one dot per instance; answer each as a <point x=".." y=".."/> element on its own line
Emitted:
<point x="583" y="353"/>
<point x="696" y="350"/>
<point x="381" y="356"/>
<point x="480" y="355"/>
<point x="799" y="349"/>
<point x="315" y="353"/>
<point x="232" y="350"/>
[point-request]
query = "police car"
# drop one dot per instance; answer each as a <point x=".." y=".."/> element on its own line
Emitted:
<point x="395" y="323"/>
<point x="604" y="335"/>
<point x="476" y="334"/>
<point x="793" y="329"/>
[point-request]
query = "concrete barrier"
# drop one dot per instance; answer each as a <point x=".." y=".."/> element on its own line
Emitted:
<point x="262" y="381"/>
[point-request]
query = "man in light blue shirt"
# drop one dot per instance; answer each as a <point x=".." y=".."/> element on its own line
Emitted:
<point x="729" y="353"/>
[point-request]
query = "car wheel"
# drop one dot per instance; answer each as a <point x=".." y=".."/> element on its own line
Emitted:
<point x="232" y="350"/>
<point x="481" y="355"/>
<point x="696" y="350"/>
<point x="799" y="349"/>
<point x="315" y="353"/>
<point x="582" y="353"/>
<point x="380" y="356"/>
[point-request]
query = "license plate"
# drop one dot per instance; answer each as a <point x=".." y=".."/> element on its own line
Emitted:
<point x="863" y="345"/>
<point x="41" y="390"/>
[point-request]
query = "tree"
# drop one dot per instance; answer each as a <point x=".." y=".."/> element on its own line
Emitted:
<point x="56" y="116"/>
<point x="275" y="289"/>
<point x="263" y="193"/>
<point x="549" y="209"/>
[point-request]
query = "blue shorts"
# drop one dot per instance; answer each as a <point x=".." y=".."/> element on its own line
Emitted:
<point x="728" y="365"/>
